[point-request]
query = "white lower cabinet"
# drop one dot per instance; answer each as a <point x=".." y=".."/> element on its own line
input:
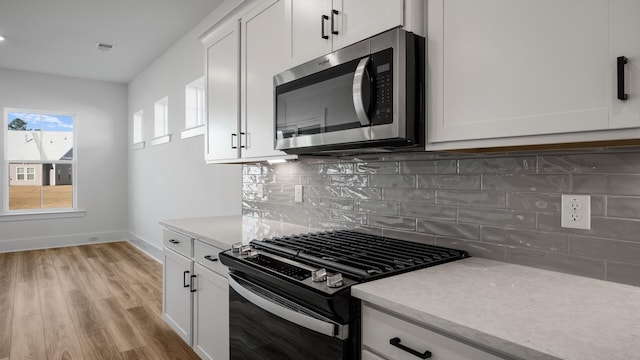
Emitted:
<point x="196" y="297"/>
<point x="379" y="329"/>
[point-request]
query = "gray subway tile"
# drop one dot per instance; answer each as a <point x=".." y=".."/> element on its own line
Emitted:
<point x="557" y="262"/>
<point x="409" y="195"/>
<point x="610" y="228"/>
<point x="623" y="273"/>
<point x="253" y="179"/>
<point x="474" y="248"/>
<point x="315" y="180"/>
<point x="590" y="163"/>
<point x="364" y="229"/>
<point x="377" y="207"/>
<point x="322" y="191"/>
<point x="283" y="179"/>
<point x="341" y="204"/>
<point x="499" y="217"/>
<point x="392" y="181"/>
<point x="449" y="229"/>
<point x="339" y="168"/>
<point x="598" y="205"/>
<point x="429" y="167"/>
<point x="426" y="211"/>
<point x="362" y="193"/>
<point x="302" y="168"/>
<point x="349" y="180"/>
<point x="534" y="201"/>
<point x="493" y="199"/>
<point x="295" y="215"/>
<point x="454" y="182"/>
<point x="526" y="239"/>
<point x="498" y="165"/>
<point x="606" y="184"/>
<point x="622" y="251"/>
<point x="526" y="183"/>
<point x="281" y="193"/>
<point x="409" y="236"/>
<point x="394" y="222"/>
<point x="377" y="168"/>
<point x="348" y="216"/>
<point x="252" y="169"/>
<point x="623" y="207"/>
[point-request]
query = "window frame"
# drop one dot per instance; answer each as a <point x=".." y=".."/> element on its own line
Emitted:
<point x="28" y="214"/>
<point x="195" y="109"/>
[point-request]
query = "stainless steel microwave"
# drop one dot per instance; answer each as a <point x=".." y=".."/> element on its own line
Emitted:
<point x="369" y="96"/>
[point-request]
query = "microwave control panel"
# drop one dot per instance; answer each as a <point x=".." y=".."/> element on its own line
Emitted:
<point x="382" y="112"/>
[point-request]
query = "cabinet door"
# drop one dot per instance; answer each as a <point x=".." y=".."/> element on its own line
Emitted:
<point x="502" y="68"/>
<point x="366" y="355"/>
<point x="360" y="19"/>
<point x="223" y="61"/>
<point x="211" y="315"/>
<point x="262" y="58"/>
<point x="176" y="302"/>
<point x="305" y="26"/>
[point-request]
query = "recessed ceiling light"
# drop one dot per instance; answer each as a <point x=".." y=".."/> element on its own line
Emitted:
<point x="104" y="46"/>
<point x="2" y="38"/>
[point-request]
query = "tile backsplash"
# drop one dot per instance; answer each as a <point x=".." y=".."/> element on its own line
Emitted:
<point x="498" y="206"/>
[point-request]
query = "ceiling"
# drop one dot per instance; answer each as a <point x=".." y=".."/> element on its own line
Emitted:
<point x="59" y="36"/>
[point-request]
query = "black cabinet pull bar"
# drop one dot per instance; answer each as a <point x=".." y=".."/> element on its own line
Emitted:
<point x="210" y="258"/>
<point x="333" y="21"/>
<point x="622" y="61"/>
<point x="193" y="288"/>
<point x="184" y="279"/>
<point x="396" y="342"/>
<point x="322" y="20"/>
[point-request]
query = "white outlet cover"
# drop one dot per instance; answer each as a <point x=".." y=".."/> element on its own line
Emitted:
<point x="298" y="193"/>
<point x="576" y="212"/>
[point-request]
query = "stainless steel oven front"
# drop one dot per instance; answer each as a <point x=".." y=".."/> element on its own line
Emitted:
<point x="370" y="94"/>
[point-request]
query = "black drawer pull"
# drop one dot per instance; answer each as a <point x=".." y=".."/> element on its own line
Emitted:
<point x="184" y="278"/>
<point x="210" y="258"/>
<point x="396" y="342"/>
<point x="174" y="241"/>
<point x="322" y="19"/>
<point x="193" y="288"/>
<point x="622" y="61"/>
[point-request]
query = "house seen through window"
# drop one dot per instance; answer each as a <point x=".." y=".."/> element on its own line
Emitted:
<point x="39" y="160"/>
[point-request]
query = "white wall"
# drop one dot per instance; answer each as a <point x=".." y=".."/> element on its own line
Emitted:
<point x="172" y="180"/>
<point x="101" y="131"/>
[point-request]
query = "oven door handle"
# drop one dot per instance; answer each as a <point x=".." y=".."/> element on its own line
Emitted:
<point x="289" y="313"/>
<point x="362" y="84"/>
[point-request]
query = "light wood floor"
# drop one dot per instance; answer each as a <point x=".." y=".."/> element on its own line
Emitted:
<point x="100" y="301"/>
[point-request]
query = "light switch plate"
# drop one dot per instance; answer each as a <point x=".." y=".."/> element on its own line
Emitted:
<point x="298" y="193"/>
<point x="576" y="212"/>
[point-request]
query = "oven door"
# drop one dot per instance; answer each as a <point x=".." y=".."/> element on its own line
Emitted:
<point x="265" y="326"/>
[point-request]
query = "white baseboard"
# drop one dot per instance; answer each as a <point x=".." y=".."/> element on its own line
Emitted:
<point x="145" y="246"/>
<point x="49" y="242"/>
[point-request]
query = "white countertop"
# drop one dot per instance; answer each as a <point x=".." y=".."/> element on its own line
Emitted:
<point x="521" y="311"/>
<point x="224" y="231"/>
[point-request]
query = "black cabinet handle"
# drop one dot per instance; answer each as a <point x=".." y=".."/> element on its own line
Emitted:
<point x="396" y="342"/>
<point x="174" y="241"/>
<point x="193" y="288"/>
<point x="210" y="258"/>
<point x="322" y="19"/>
<point x="333" y="22"/>
<point x="245" y="135"/>
<point x="232" y="136"/>
<point x="622" y="61"/>
<point x="184" y="279"/>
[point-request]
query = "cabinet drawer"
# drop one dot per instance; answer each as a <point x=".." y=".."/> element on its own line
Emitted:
<point x="366" y="355"/>
<point x="379" y="328"/>
<point x="178" y="242"/>
<point x="207" y="255"/>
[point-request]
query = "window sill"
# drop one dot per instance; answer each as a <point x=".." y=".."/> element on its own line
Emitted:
<point x="192" y="132"/>
<point x="42" y="215"/>
<point x="161" y="140"/>
<point x="138" y="146"/>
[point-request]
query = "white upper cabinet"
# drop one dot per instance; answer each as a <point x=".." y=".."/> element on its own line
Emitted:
<point x="223" y="94"/>
<point x="315" y="28"/>
<point x="506" y="69"/>
<point x="263" y="56"/>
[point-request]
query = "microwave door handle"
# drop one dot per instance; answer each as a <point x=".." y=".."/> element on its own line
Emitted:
<point x="361" y="75"/>
<point x="289" y="314"/>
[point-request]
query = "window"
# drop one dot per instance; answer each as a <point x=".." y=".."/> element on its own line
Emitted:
<point x="138" y="118"/>
<point x="161" y="113"/>
<point x="40" y="161"/>
<point x="195" y="112"/>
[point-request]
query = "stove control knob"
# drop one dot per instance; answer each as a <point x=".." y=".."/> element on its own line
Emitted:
<point x="245" y="249"/>
<point x="236" y="247"/>
<point x="319" y="275"/>
<point x="335" y="280"/>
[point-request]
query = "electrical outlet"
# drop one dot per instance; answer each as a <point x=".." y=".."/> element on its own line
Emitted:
<point x="576" y="212"/>
<point x="298" y="193"/>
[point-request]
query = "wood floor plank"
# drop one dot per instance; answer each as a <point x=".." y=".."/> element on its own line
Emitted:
<point x="124" y="334"/>
<point x="98" y="345"/>
<point x="25" y="267"/>
<point x="78" y="262"/>
<point x="126" y="296"/>
<point x="83" y="312"/>
<point x="27" y="338"/>
<point x="108" y="254"/>
<point x="87" y="251"/>
<point x="142" y="353"/>
<point x="53" y="306"/>
<point x="27" y="300"/>
<point x="59" y="256"/>
<point x="101" y="267"/>
<point x="68" y="278"/>
<point x="8" y="263"/>
<point x="110" y="308"/>
<point x="95" y="286"/>
<point x="62" y="343"/>
<point x="45" y="271"/>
